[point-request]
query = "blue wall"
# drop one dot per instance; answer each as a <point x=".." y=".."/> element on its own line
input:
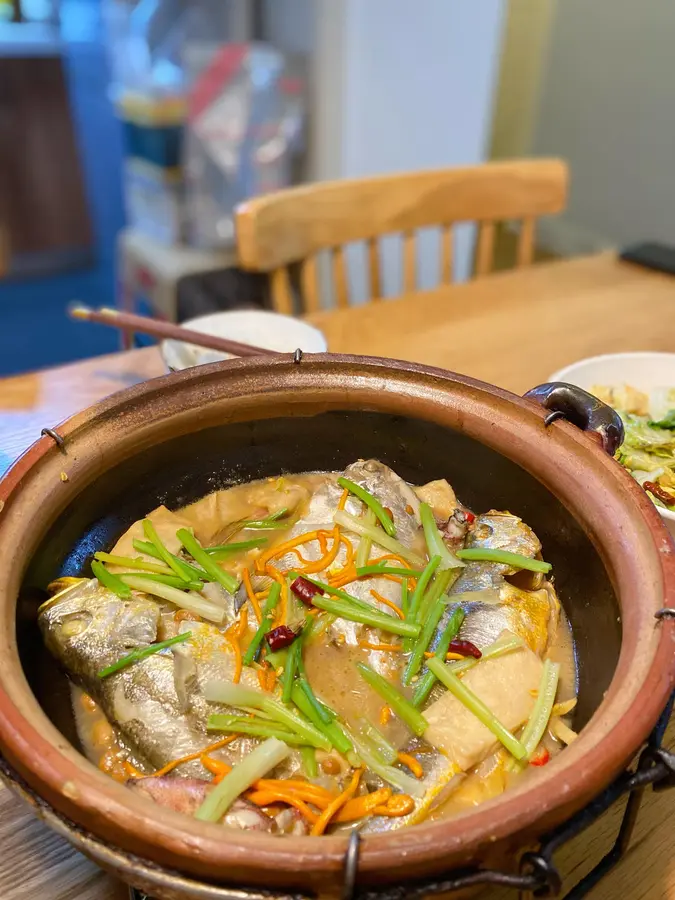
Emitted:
<point x="34" y="329"/>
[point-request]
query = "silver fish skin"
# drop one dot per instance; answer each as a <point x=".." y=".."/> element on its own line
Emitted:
<point x="88" y="627"/>
<point x="399" y="498"/>
<point x="496" y="531"/>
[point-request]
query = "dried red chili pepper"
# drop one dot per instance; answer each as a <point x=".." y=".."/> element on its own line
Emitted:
<point x="465" y="648"/>
<point x="304" y="590"/>
<point x="541" y="758"/>
<point x="469" y="517"/>
<point x="280" y="637"/>
<point x="659" y="492"/>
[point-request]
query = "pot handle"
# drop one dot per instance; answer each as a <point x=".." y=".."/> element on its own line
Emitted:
<point x="567" y="401"/>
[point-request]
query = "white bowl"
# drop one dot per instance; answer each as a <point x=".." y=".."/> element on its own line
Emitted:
<point x="648" y="372"/>
<point x="248" y="326"/>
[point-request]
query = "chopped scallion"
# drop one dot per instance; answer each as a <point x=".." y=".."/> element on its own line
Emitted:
<point x="309" y="765"/>
<point x="436" y="546"/>
<point x="193" y="602"/>
<point x="142" y="653"/>
<point x="266" y="622"/>
<point x="388" y="570"/>
<point x="353" y="613"/>
<point x="386" y="750"/>
<point x="416" y="599"/>
<point x="172" y="561"/>
<point x="290" y="668"/>
<point x="110" y="581"/>
<point x="501" y="646"/>
<point x="423" y="641"/>
<point x="371" y="502"/>
<point x="391" y="774"/>
<point x="150" y="550"/>
<point x="506" y="557"/>
<point x="172" y="580"/>
<point x="541" y="713"/>
<point x="377" y="536"/>
<point x="224" y="551"/>
<point x="334" y="731"/>
<point x="254" y="766"/>
<point x="365" y="543"/>
<point x="428" y="680"/>
<point x="255" y="727"/>
<point x="197" y="552"/>
<point x="238" y="695"/>
<point x="403" y="708"/>
<point x="132" y="563"/>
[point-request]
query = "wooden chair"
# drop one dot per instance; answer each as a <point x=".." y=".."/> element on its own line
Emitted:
<point x="295" y="225"/>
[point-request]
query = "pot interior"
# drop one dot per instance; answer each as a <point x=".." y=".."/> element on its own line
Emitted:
<point x="181" y="470"/>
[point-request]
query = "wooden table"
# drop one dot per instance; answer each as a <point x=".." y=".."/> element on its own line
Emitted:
<point x="513" y="329"/>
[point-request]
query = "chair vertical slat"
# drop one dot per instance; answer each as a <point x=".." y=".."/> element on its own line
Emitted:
<point x="485" y="250"/>
<point x="374" y="275"/>
<point x="282" y="295"/>
<point x="409" y="262"/>
<point x="309" y="283"/>
<point x="340" y="278"/>
<point x="526" y="242"/>
<point x="447" y="254"/>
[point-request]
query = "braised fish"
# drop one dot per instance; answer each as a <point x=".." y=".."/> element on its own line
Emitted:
<point x="156" y="706"/>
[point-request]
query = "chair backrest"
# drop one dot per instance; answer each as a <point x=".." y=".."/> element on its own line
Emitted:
<point x="295" y="225"/>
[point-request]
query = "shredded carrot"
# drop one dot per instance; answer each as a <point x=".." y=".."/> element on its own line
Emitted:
<point x="333" y="808"/>
<point x="343" y="577"/>
<point x="449" y="655"/>
<point x="411" y="763"/>
<point x="314" y="793"/>
<point x="266" y="798"/>
<point x="385" y="715"/>
<point x="399" y="559"/>
<point x="323" y="541"/>
<point x="368" y="646"/>
<point x="169" y="767"/>
<point x="183" y="615"/>
<point x="349" y="547"/>
<point x="343" y="499"/>
<point x="215" y="766"/>
<point x="262" y="677"/>
<point x="132" y="771"/>
<point x="396" y="805"/>
<point x="301" y="559"/>
<point x="233" y="640"/>
<point x="280" y="617"/>
<point x="242" y="624"/>
<point x="363" y="806"/>
<point x="271" y="679"/>
<point x="388" y="603"/>
<point x="250" y="593"/>
<point x="281" y="549"/>
<point x="327" y="559"/>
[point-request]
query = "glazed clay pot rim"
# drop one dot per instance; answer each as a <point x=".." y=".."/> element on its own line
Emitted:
<point x="407" y="851"/>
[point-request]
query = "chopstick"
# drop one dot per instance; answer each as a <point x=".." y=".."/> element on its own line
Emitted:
<point x="159" y="329"/>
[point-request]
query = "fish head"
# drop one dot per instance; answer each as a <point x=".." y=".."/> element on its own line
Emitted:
<point x="88" y="627"/>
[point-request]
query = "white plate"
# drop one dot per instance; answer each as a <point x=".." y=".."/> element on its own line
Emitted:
<point x="648" y="372"/>
<point x="248" y="326"/>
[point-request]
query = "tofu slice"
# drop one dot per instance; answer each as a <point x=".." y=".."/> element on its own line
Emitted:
<point x="166" y="524"/>
<point x="440" y="497"/>
<point x="506" y="685"/>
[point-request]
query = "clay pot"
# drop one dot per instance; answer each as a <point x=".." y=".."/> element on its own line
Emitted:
<point x="176" y="438"/>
